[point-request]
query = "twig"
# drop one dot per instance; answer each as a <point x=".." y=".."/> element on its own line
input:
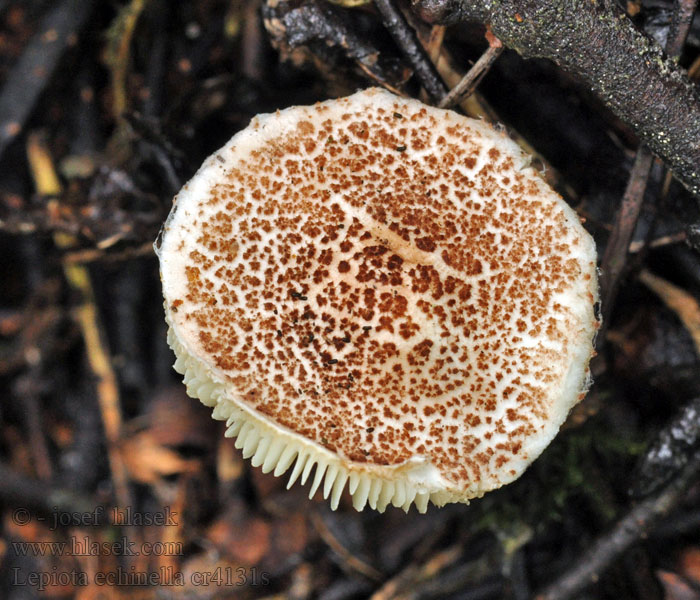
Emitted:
<point x="26" y="81"/>
<point x="47" y="183"/>
<point x="660" y="242"/>
<point x="383" y="82"/>
<point x="634" y="526"/>
<point x="119" y="50"/>
<point x="477" y="107"/>
<point x="81" y="470"/>
<point x="24" y="492"/>
<point x="252" y="60"/>
<point x="100" y="255"/>
<point x="33" y="324"/>
<point x="615" y="257"/>
<point x="334" y="544"/>
<point x="104" y="227"/>
<point x="680" y="26"/>
<point x="407" y="40"/>
<point x="107" y="389"/>
<point x="291" y="26"/>
<point x="670" y="452"/>
<point x="434" y="45"/>
<point x="468" y="83"/>
<point x="27" y="388"/>
<point x="447" y="574"/>
<point x="408" y="578"/>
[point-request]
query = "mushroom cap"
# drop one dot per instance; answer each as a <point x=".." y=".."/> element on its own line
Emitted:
<point x="383" y="290"/>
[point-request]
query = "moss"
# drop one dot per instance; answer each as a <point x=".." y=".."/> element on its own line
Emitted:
<point x="574" y="471"/>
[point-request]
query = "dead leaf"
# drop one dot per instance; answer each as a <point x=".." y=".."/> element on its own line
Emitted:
<point x="289" y="536"/>
<point x="679" y="301"/>
<point x="175" y="419"/>
<point x="147" y="460"/>
<point x="690" y="564"/>
<point x="241" y="535"/>
<point x="675" y="587"/>
<point x="229" y="462"/>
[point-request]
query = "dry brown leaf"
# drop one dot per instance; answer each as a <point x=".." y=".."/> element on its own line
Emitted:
<point x="209" y="575"/>
<point x="679" y="301"/>
<point x="229" y="462"/>
<point x="245" y="540"/>
<point x="175" y="419"/>
<point x="675" y="587"/>
<point x="289" y="536"/>
<point x="690" y="564"/>
<point x="147" y="460"/>
<point x="350" y="3"/>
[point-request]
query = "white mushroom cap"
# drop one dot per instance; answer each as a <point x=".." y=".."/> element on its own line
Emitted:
<point x="383" y="290"/>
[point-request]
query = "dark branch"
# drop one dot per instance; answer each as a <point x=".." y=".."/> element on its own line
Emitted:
<point x="407" y="40"/>
<point x="328" y="33"/>
<point x="680" y="26"/>
<point x="671" y="451"/>
<point x="615" y="257"/>
<point x="593" y="41"/>
<point x="34" y="69"/>
<point x="317" y="21"/>
<point x="610" y="546"/>
<point x="31" y="494"/>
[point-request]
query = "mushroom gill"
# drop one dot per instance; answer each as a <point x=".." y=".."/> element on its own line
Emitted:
<point x="384" y="291"/>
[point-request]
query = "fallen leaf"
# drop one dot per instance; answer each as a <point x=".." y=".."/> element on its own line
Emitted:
<point x="241" y="535"/>
<point x="679" y="301"/>
<point x="175" y="419"/>
<point x="675" y="587"/>
<point x="148" y="461"/>
<point x="690" y="564"/>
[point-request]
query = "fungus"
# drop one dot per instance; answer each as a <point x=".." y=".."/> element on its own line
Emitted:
<point x="382" y="293"/>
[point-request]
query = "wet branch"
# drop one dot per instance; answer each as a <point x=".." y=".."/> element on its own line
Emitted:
<point x="323" y="28"/>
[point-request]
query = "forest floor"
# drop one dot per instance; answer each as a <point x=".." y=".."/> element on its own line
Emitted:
<point x="106" y="109"/>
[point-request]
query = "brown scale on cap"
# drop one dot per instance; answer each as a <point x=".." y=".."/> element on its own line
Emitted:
<point x="384" y="290"/>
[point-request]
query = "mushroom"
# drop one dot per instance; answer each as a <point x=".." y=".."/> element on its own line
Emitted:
<point x="382" y="290"/>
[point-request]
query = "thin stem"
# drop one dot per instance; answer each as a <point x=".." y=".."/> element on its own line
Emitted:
<point x="473" y="77"/>
<point x="407" y="40"/>
<point x="615" y="257"/>
<point x="680" y="26"/>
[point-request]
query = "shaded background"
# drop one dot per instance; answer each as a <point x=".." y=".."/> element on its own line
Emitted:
<point x="106" y="109"/>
